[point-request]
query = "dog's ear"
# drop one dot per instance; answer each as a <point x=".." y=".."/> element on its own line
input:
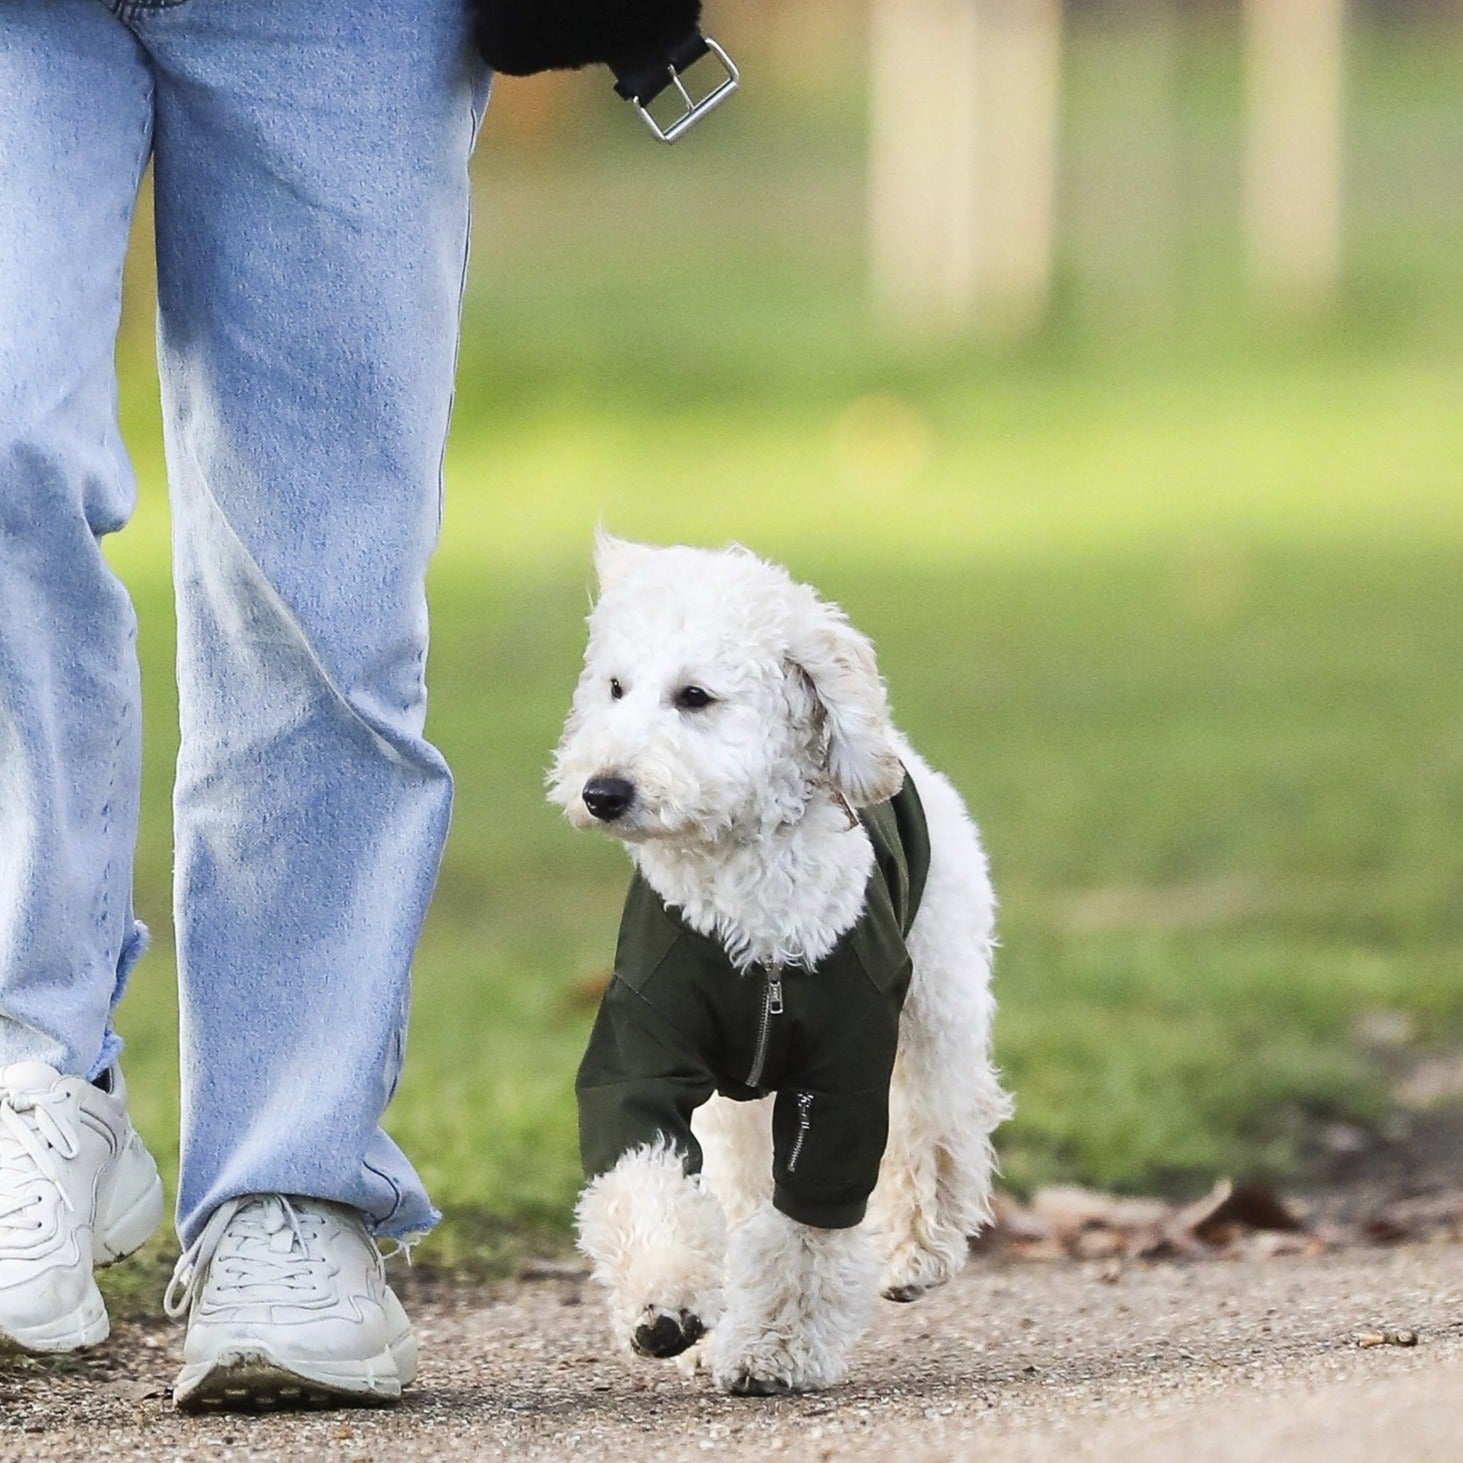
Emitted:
<point x="838" y="664"/>
<point x="616" y="557"/>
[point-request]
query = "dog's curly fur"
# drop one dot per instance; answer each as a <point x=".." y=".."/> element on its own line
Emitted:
<point x="650" y="1232"/>
<point x="522" y="37"/>
<point x="740" y="821"/>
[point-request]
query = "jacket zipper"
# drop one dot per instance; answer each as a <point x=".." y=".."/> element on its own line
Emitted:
<point x="771" y="1006"/>
<point x="805" y="1121"/>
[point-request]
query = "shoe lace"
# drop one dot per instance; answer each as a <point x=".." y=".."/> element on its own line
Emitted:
<point x="270" y="1246"/>
<point x="36" y="1137"/>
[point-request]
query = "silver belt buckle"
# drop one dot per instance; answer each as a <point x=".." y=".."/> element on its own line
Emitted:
<point x="695" y="111"/>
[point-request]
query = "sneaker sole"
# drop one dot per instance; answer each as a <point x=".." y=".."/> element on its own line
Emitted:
<point x="250" y="1379"/>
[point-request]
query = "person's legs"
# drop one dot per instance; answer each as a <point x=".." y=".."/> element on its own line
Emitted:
<point x="77" y="1188"/>
<point x="75" y="128"/>
<point x="312" y="202"/>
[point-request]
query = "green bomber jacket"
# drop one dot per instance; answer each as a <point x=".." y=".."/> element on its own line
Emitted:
<point x="678" y="1022"/>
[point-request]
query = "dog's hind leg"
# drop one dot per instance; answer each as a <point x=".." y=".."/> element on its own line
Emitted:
<point x="736" y="1139"/>
<point x="657" y="1241"/>
<point x="935" y="1182"/>
<point x="797" y="1299"/>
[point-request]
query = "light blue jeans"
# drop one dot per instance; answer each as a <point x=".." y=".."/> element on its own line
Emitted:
<point x="310" y="162"/>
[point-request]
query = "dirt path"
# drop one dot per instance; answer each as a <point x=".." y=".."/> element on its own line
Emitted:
<point x="1241" y="1360"/>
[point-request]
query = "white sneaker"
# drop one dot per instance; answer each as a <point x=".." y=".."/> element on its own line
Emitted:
<point x="288" y="1306"/>
<point x="77" y="1190"/>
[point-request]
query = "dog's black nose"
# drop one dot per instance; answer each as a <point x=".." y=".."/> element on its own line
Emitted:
<point x="608" y="797"/>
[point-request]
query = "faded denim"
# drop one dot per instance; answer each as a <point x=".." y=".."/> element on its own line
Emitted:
<point x="310" y="165"/>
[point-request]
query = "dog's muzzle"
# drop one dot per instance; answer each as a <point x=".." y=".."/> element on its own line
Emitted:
<point x="608" y="797"/>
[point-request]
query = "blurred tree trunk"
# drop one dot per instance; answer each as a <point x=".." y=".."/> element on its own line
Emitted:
<point x="1293" y="160"/>
<point x="922" y="180"/>
<point x="965" y="101"/>
<point x="1125" y="230"/>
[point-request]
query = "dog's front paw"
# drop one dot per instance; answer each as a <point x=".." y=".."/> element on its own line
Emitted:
<point x="764" y="1364"/>
<point x="903" y="1294"/>
<point x="766" y="1369"/>
<point x="664" y="1334"/>
<point x="746" y="1384"/>
<point x="797" y="1299"/>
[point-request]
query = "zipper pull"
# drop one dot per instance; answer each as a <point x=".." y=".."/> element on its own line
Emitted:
<point x="774" y="991"/>
<point x="805" y="1122"/>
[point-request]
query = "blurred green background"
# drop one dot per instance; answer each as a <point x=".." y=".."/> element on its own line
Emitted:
<point x="1171" y="585"/>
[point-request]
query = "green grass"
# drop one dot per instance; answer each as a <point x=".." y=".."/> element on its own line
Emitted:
<point x="1177" y="599"/>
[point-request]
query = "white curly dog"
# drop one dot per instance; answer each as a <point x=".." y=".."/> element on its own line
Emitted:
<point x="732" y="730"/>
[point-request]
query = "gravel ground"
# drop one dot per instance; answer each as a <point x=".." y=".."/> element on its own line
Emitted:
<point x="1231" y="1360"/>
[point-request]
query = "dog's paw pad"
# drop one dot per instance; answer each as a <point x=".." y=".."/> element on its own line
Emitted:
<point x="663" y="1334"/>
<point x="744" y="1384"/>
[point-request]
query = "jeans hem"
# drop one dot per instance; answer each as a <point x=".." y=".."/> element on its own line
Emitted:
<point x="133" y="948"/>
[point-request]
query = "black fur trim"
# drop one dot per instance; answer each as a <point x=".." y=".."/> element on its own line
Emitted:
<point x="521" y="37"/>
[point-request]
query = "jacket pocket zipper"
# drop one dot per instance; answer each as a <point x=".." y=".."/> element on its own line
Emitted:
<point x="805" y="1121"/>
<point x="771" y="1006"/>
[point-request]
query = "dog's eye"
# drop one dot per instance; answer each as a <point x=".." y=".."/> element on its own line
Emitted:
<point x="693" y="698"/>
<point x="616" y="689"/>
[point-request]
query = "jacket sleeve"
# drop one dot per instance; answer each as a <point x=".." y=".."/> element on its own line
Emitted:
<point x="521" y="37"/>
<point x="639" y="1082"/>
